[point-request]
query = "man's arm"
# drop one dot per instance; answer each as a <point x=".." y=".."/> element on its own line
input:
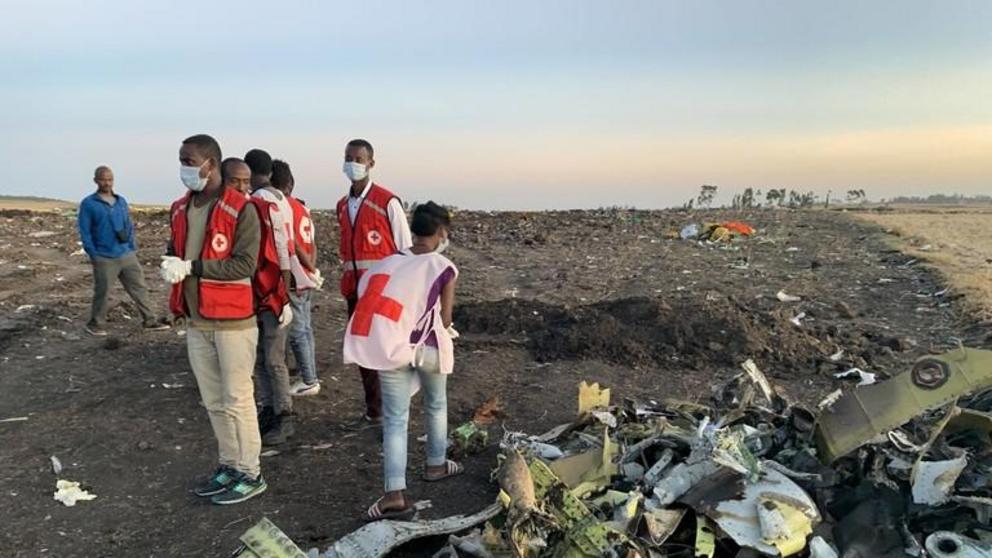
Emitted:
<point x="448" y="302"/>
<point x="401" y="228"/>
<point x="131" y="241"/>
<point x="85" y="223"/>
<point x="244" y="253"/>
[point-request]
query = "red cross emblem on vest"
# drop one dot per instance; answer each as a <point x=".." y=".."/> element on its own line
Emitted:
<point x="374" y="237"/>
<point x="373" y="304"/>
<point x="306" y="230"/>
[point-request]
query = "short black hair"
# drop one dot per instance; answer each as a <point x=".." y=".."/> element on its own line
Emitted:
<point x="282" y="175"/>
<point x="207" y="145"/>
<point x="428" y="218"/>
<point x="224" y="165"/>
<point x="259" y="161"/>
<point x="363" y="143"/>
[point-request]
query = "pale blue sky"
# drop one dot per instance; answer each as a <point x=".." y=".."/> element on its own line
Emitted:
<point x="546" y="104"/>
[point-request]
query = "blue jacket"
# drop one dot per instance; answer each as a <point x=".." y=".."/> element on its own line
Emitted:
<point x="102" y="226"/>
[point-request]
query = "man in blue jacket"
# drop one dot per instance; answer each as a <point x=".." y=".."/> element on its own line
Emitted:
<point x="107" y="233"/>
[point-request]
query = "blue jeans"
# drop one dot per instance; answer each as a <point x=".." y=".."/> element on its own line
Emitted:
<point x="396" y="389"/>
<point x="301" y="336"/>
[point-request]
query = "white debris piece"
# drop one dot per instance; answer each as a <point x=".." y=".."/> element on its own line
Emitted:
<point x="56" y="465"/>
<point x="865" y="378"/>
<point x="830" y="399"/>
<point x="69" y="492"/>
<point x="377" y="539"/>
<point x="819" y="548"/>
<point x="609" y="419"/>
<point x="837" y="356"/>
<point x="787" y="297"/>
<point x="934" y="480"/>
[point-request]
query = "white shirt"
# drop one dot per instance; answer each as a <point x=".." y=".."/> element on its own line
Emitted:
<point x="397" y="217"/>
<point x="282" y="224"/>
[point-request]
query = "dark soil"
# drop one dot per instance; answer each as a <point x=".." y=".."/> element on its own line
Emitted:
<point x="544" y="301"/>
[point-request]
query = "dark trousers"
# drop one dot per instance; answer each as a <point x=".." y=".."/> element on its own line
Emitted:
<point x="128" y="270"/>
<point x="370" y="379"/>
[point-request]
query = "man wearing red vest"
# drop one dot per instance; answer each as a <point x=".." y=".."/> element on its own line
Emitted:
<point x="305" y="279"/>
<point x="373" y="226"/>
<point x="276" y="419"/>
<point x="213" y="251"/>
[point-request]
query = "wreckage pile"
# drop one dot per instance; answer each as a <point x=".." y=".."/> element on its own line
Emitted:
<point x="896" y="468"/>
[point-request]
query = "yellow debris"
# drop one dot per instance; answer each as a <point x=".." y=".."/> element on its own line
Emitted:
<point x="591" y="396"/>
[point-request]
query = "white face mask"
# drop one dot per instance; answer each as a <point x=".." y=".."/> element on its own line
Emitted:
<point x="354" y="171"/>
<point x="191" y="178"/>
<point x="443" y="245"/>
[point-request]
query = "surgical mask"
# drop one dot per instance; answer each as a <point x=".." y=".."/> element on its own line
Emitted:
<point x="443" y="245"/>
<point x="191" y="178"/>
<point x="354" y="171"/>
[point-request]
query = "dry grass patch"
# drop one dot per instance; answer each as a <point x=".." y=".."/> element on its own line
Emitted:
<point x="957" y="244"/>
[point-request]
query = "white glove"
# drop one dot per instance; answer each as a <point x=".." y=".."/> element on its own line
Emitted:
<point x="174" y="270"/>
<point x="453" y="332"/>
<point x="318" y="279"/>
<point x="286" y="317"/>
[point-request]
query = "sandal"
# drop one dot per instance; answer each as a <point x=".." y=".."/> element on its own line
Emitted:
<point x="452" y="469"/>
<point x="375" y="513"/>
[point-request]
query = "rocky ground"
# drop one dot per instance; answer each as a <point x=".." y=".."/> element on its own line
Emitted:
<point x="544" y="301"/>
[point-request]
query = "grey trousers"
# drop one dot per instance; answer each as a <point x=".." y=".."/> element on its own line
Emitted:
<point x="271" y="371"/>
<point x="132" y="277"/>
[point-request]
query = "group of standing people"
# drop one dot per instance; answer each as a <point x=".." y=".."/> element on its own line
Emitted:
<point x="242" y="265"/>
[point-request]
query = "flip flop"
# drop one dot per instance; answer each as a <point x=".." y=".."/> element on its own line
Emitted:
<point x="375" y="513"/>
<point x="452" y="469"/>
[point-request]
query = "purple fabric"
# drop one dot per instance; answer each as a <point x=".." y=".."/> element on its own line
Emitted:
<point x="432" y="299"/>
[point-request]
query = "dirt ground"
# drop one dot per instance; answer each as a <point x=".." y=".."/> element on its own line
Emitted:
<point x="545" y="300"/>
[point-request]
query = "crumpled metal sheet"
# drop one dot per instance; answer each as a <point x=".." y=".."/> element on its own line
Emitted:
<point x="265" y="540"/>
<point x="946" y="544"/>
<point x="739" y="515"/>
<point x="377" y="539"/>
<point x="859" y="416"/>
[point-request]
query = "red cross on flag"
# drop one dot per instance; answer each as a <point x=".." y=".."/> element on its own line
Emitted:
<point x="372" y="304"/>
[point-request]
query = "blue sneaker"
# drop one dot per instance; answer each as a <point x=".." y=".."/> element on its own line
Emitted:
<point x="221" y="480"/>
<point x="245" y="488"/>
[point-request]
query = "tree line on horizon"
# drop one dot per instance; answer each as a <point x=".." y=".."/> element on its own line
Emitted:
<point x="752" y="198"/>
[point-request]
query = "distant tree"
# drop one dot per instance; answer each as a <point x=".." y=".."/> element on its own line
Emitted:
<point x="794" y="199"/>
<point x="855" y="196"/>
<point x="775" y="197"/>
<point x="706" y="194"/>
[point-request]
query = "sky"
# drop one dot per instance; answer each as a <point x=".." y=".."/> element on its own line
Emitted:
<point x="548" y="104"/>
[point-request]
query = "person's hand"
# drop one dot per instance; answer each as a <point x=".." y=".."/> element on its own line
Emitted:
<point x="286" y="317"/>
<point x="453" y="332"/>
<point x="318" y="279"/>
<point x="173" y="270"/>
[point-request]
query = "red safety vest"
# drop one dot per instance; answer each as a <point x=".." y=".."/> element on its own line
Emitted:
<point x="302" y="225"/>
<point x="219" y="300"/>
<point x="369" y="240"/>
<point x="271" y="291"/>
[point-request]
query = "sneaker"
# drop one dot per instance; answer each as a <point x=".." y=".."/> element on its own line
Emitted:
<point x="266" y="416"/>
<point x="221" y="480"/>
<point x="95" y="330"/>
<point x="245" y="488"/>
<point x="303" y="389"/>
<point x="283" y="428"/>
